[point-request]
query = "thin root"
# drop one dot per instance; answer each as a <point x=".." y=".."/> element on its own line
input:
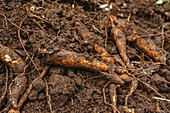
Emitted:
<point x="150" y="88"/>
<point x="32" y="16"/>
<point x="20" y="39"/>
<point x="5" y="109"/>
<point x="48" y="96"/>
<point x="134" y="85"/>
<point x="24" y="97"/>
<point x="93" y="78"/>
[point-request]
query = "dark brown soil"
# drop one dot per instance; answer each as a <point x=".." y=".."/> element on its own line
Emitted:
<point x="67" y="89"/>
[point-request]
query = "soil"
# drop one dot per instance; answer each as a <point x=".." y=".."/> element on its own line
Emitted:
<point x="66" y="86"/>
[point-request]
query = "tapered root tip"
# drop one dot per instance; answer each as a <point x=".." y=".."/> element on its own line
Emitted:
<point x="126" y="110"/>
<point x="14" y="103"/>
<point x="116" y="79"/>
<point x="131" y="38"/>
<point x="14" y="111"/>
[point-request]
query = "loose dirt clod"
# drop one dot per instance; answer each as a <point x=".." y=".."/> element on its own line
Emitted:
<point x="83" y="32"/>
<point x="27" y="92"/>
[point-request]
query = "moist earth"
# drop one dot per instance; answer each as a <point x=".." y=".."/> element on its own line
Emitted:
<point x="67" y="88"/>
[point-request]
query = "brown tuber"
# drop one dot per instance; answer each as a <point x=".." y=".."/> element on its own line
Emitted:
<point x="12" y="59"/>
<point x="120" y="40"/>
<point x="70" y="59"/>
<point x="104" y="54"/>
<point x="16" y="90"/>
<point x="147" y="46"/>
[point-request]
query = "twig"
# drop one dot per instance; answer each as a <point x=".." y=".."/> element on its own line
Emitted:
<point x="48" y="96"/>
<point x="55" y="37"/>
<point x="107" y="21"/>
<point x="28" y="63"/>
<point x="145" y="98"/>
<point x="96" y="29"/>
<point x="33" y="19"/>
<point x="77" y="6"/>
<point x="141" y="59"/>
<point x="81" y="75"/>
<point x="39" y="109"/>
<point x="6" y="22"/>
<point x="151" y="35"/>
<point x="167" y="82"/>
<point x="158" y="98"/>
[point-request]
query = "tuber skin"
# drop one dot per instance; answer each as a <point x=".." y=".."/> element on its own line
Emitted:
<point x="126" y="78"/>
<point x="147" y="46"/>
<point x="133" y="87"/>
<point x="104" y="54"/>
<point x="70" y="59"/>
<point x="121" y="23"/>
<point x="121" y="70"/>
<point x="17" y="88"/>
<point x="13" y="111"/>
<point x="118" y="60"/>
<point x="120" y="40"/>
<point x="12" y="59"/>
